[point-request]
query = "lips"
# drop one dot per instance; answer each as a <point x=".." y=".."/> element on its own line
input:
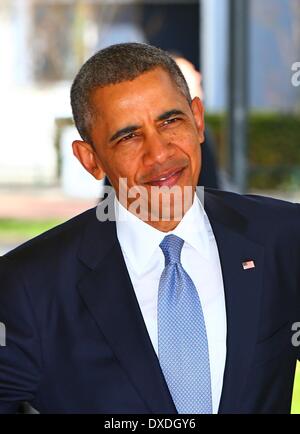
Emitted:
<point x="168" y="179"/>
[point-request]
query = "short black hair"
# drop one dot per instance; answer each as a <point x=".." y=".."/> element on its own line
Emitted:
<point x="115" y="64"/>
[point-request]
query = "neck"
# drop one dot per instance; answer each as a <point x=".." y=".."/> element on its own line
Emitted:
<point x="156" y="219"/>
<point x="163" y="226"/>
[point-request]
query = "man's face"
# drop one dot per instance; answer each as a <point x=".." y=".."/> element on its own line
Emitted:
<point x="145" y="131"/>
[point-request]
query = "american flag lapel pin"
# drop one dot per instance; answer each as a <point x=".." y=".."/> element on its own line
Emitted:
<point x="248" y="264"/>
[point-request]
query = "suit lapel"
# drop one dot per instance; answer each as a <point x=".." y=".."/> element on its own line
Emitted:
<point x="242" y="296"/>
<point x="109" y="296"/>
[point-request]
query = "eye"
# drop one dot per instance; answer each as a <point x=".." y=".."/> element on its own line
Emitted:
<point x="170" y="121"/>
<point x="127" y="137"/>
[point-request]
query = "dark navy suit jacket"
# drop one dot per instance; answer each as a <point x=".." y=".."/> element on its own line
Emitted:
<point x="76" y="339"/>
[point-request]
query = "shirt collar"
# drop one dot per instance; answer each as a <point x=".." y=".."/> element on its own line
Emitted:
<point x="139" y="240"/>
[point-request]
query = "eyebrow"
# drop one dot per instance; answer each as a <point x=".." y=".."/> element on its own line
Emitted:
<point x="168" y="114"/>
<point x="123" y="131"/>
<point x="132" y="128"/>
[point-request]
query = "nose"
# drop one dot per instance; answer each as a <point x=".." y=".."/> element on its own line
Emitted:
<point x="157" y="149"/>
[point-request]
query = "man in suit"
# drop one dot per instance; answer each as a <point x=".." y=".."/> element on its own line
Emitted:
<point x="151" y="315"/>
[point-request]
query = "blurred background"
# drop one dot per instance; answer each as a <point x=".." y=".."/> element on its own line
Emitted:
<point x="248" y="52"/>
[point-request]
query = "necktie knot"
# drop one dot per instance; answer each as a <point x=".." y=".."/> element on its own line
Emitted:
<point x="171" y="247"/>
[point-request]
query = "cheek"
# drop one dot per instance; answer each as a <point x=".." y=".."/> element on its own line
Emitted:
<point x="186" y="136"/>
<point x="123" y="166"/>
<point x="198" y="157"/>
<point x="195" y="158"/>
<point x="191" y="147"/>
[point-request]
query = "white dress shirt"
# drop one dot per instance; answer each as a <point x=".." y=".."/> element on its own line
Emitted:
<point x="199" y="257"/>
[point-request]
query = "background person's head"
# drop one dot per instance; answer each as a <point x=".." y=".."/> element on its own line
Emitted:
<point x="133" y="109"/>
<point x="192" y="76"/>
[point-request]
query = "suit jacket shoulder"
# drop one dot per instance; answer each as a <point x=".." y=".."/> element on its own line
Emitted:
<point x="263" y="216"/>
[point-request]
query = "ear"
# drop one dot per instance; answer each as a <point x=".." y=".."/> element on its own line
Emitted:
<point x="198" y="112"/>
<point x="85" y="153"/>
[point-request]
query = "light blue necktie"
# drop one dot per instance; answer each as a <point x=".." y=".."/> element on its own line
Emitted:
<point x="182" y="340"/>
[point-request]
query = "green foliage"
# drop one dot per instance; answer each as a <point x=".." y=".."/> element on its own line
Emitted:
<point x="273" y="153"/>
<point x="14" y="230"/>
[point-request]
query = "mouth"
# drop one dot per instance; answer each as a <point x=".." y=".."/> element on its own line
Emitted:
<point x="167" y="179"/>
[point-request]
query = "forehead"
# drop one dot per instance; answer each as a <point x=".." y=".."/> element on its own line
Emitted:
<point x="153" y="89"/>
